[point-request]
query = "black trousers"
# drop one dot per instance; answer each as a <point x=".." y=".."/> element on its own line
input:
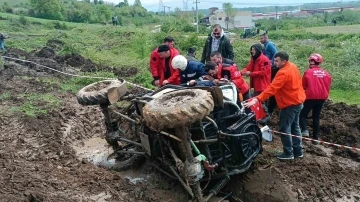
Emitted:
<point x="271" y="104"/>
<point x="315" y="106"/>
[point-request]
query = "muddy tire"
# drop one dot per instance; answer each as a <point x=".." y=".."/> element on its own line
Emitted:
<point x="178" y="108"/>
<point x="97" y="93"/>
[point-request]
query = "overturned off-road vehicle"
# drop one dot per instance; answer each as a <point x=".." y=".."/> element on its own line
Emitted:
<point x="192" y="134"/>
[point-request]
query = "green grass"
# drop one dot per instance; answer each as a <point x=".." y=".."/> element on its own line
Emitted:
<point x="342" y="29"/>
<point x="349" y="97"/>
<point x="36" y="104"/>
<point x="4" y="96"/>
<point x="29" y="109"/>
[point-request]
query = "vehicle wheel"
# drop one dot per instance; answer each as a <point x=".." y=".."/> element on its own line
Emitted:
<point x="178" y="108"/>
<point x="97" y="93"/>
<point x="124" y="161"/>
<point x="250" y="144"/>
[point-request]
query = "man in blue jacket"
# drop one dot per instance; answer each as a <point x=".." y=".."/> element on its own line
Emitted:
<point x="189" y="70"/>
<point x="269" y="51"/>
<point x="269" y="47"/>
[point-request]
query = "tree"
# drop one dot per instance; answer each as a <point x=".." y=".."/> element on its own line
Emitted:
<point x="126" y="2"/>
<point x="137" y="3"/>
<point x="103" y="12"/>
<point x="101" y="2"/>
<point x="96" y="1"/>
<point x="230" y="13"/>
<point x="49" y="9"/>
<point x="121" y="4"/>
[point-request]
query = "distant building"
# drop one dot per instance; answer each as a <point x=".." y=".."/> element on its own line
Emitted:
<point x="300" y="14"/>
<point x="272" y="15"/>
<point x="328" y="10"/>
<point x="242" y="19"/>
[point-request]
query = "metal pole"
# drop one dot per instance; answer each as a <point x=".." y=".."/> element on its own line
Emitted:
<point x="197" y="16"/>
<point x="276" y="17"/>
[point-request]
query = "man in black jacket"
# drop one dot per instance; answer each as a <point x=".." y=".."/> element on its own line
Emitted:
<point x="217" y="41"/>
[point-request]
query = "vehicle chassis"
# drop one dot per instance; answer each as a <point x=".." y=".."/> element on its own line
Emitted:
<point x="224" y="143"/>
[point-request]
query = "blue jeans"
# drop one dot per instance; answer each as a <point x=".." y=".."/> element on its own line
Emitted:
<point x="2" y="45"/>
<point x="289" y="124"/>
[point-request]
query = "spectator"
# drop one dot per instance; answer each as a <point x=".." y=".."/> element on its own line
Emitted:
<point x="2" y="43"/>
<point x="217" y="41"/>
<point x="156" y="61"/>
<point x="316" y="82"/>
<point x="289" y="93"/>
<point x="270" y="50"/>
<point x="269" y="47"/>
<point x="258" y="69"/>
<point x="191" y="55"/>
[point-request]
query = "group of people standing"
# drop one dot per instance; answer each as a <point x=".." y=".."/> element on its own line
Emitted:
<point x="273" y="80"/>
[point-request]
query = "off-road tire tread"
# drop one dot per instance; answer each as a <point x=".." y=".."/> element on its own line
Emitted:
<point x="96" y="97"/>
<point x="176" y="116"/>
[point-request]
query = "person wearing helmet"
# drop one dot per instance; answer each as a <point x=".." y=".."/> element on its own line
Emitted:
<point x="258" y="69"/>
<point x="316" y="83"/>
<point x="189" y="71"/>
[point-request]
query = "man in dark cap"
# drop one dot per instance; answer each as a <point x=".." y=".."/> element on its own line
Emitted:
<point x="156" y="61"/>
<point x="191" y="55"/>
<point x="258" y="69"/>
<point x="166" y="73"/>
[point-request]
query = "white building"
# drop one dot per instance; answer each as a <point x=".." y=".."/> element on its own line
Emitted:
<point x="242" y="19"/>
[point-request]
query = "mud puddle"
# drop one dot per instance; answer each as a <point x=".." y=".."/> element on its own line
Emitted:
<point x="96" y="151"/>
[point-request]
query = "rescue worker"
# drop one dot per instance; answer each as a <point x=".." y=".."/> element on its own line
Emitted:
<point x="316" y="82"/>
<point x="156" y="61"/>
<point x="189" y="71"/>
<point x="217" y="41"/>
<point x="229" y="73"/>
<point x="290" y="96"/>
<point x="258" y="69"/>
<point x="166" y="73"/>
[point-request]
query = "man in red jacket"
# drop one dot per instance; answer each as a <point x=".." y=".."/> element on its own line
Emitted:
<point x="316" y="83"/>
<point x="166" y="73"/>
<point x="156" y="61"/>
<point x="228" y="73"/>
<point x="258" y="69"/>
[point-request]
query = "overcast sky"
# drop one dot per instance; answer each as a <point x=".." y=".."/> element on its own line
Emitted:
<point x="153" y="5"/>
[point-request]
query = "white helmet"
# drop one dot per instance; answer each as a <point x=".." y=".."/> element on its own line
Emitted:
<point x="179" y="62"/>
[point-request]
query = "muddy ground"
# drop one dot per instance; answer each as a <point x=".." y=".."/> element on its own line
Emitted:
<point x="47" y="158"/>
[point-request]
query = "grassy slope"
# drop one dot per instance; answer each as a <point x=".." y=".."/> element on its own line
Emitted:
<point x="343" y="29"/>
<point x="114" y="46"/>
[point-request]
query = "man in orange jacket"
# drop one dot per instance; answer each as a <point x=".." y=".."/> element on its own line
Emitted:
<point x="290" y="96"/>
<point x="156" y="61"/>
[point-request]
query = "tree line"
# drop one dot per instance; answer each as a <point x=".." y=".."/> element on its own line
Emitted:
<point x="86" y="11"/>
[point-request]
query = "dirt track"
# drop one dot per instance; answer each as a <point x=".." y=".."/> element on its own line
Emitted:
<point x="39" y="163"/>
